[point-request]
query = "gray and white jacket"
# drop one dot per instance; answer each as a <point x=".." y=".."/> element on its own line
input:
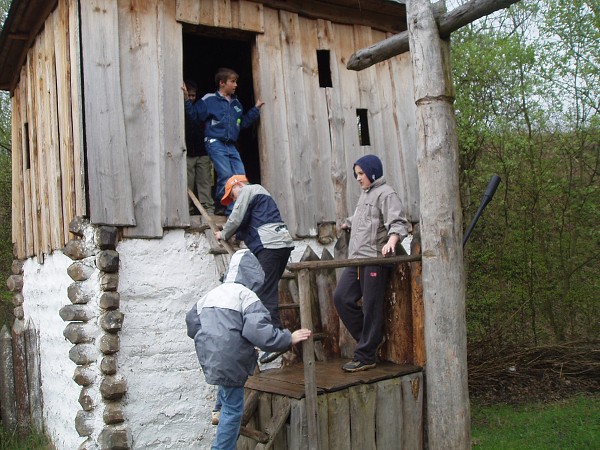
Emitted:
<point x="230" y="321"/>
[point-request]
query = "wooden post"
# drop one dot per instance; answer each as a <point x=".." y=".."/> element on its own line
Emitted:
<point x="441" y="234"/>
<point x="308" y="357"/>
<point x="20" y="376"/>
<point x="8" y="408"/>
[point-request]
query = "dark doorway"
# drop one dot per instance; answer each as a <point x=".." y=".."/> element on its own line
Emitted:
<point x="202" y="56"/>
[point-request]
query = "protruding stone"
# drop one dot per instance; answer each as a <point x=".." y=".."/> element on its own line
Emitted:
<point x="109" y="344"/>
<point x="108" y="261"/>
<point x="84" y="423"/>
<point x="108" y="365"/>
<point x="77" y="250"/>
<point x="75" y="313"/>
<point x="78" y="225"/>
<point x="109" y="281"/>
<point x="115" y="438"/>
<point x="77" y="294"/>
<point x="88" y="444"/>
<point x="111" y="321"/>
<point x="19" y="313"/>
<point x="17" y="299"/>
<point x="15" y="283"/>
<point x="80" y="271"/>
<point x="84" y="375"/>
<point x="113" y="387"/>
<point x="110" y="300"/>
<point x="17" y="267"/>
<point x="83" y="354"/>
<point x="80" y="332"/>
<point x="86" y="400"/>
<point x="107" y="237"/>
<point x="113" y="413"/>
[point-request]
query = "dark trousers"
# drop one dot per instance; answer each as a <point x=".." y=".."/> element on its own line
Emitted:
<point x="273" y="262"/>
<point x="365" y="323"/>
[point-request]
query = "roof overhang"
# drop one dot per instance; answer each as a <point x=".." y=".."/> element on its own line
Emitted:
<point x="24" y="22"/>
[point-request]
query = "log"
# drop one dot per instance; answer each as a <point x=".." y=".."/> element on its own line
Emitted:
<point x="20" y="376"/>
<point x="447" y="23"/>
<point x="8" y="409"/>
<point x="441" y="234"/>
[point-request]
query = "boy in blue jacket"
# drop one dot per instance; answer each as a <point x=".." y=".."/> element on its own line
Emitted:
<point x="224" y="117"/>
<point x="226" y="324"/>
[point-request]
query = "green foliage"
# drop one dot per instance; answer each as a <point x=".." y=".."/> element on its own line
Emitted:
<point x="10" y="440"/>
<point x="527" y="109"/>
<point x="564" y="425"/>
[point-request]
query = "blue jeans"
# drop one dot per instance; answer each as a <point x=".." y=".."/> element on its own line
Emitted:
<point x="232" y="409"/>
<point x="227" y="162"/>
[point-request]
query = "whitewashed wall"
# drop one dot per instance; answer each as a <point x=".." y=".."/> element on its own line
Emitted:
<point x="45" y="292"/>
<point x="168" y="403"/>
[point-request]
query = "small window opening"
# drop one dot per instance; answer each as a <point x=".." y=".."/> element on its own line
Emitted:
<point x="362" y="123"/>
<point x="324" y="67"/>
<point x="26" y="157"/>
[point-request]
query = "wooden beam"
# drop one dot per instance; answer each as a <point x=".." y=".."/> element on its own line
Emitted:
<point x="443" y="277"/>
<point x="336" y="264"/>
<point x="447" y="23"/>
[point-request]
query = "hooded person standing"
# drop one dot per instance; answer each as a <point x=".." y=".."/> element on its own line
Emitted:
<point x="376" y="227"/>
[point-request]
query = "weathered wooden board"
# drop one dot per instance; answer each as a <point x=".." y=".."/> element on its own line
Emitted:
<point x="34" y="376"/>
<point x="19" y="220"/>
<point x="318" y="142"/>
<point x="77" y="109"/>
<point x="299" y="437"/>
<point x="398" y="316"/>
<point x="111" y="197"/>
<point x="333" y="98"/>
<point x="273" y="136"/>
<point x="363" y="400"/>
<point x="173" y="184"/>
<point x="338" y="420"/>
<point x="139" y="79"/>
<point x="388" y="417"/>
<point x="325" y="281"/>
<point x="31" y="174"/>
<point x="65" y="142"/>
<point x="412" y="411"/>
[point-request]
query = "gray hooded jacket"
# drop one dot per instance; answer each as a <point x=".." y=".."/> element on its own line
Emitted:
<point x="230" y="320"/>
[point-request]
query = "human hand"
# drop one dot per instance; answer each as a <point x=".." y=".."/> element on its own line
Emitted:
<point x="218" y="235"/>
<point x="259" y="103"/>
<point x="300" y="335"/>
<point x="185" y="92"/>
<point x="390" y="247"/>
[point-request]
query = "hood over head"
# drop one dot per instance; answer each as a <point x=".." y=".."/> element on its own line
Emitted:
<point x="371" y="166"/>
<point x="245" y="269"/>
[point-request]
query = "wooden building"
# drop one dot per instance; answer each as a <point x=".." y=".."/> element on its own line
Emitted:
<point x="97" y="136"/>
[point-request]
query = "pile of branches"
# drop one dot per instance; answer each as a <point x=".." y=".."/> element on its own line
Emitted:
<point x="549" y="372"/>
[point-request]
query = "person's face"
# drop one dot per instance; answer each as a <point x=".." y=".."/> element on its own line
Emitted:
<point x="235" y="191"/>
<point x="229" y="86"/>
<point x="362" y="179"/>
<point x="192" y="95"/>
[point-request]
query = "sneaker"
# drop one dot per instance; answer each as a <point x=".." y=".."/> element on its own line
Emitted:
<point x="268" y="357"/>
<point x="215" y="417"/>
<point x="356" y="366"/>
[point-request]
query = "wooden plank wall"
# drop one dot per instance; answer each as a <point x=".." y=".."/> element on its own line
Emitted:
<point x="385" y="415"/>
<point x="48" y="182"/>
<point x="308" y="134"/>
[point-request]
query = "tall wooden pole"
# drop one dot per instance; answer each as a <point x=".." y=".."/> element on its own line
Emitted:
<point x="448" y="411"/>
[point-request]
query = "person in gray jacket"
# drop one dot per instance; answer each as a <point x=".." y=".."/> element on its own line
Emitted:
<point x="376" y="227"/>
<point x="227" y="324"/>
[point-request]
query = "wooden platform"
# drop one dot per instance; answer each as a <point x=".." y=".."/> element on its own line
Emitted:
<point x="289" y="381"/>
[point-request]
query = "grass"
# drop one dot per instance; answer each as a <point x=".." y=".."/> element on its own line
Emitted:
<point x="10" y="440"/>
<point x="570" y="424"/>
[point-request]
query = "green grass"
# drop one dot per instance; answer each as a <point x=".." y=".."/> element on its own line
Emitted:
<point x="10" y="440"/>
<point x="571" y="424"/>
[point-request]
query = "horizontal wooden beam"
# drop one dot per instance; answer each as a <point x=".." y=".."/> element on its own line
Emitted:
<point x="336" y="264"/>
<point x="447" y="23"/>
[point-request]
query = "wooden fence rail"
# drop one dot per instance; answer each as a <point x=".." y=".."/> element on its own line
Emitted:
<point x="20" y="379"/>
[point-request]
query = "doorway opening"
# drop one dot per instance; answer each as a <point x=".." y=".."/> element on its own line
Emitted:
<point x="202" y="56"/>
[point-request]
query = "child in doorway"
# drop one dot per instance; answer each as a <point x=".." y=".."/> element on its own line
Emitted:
<point x="256" y="220"/>
<point x="378" y="224"/>
<point x="226" y="324"/>
<point x="224" y="117"/>
<point x="199" y="167"/>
